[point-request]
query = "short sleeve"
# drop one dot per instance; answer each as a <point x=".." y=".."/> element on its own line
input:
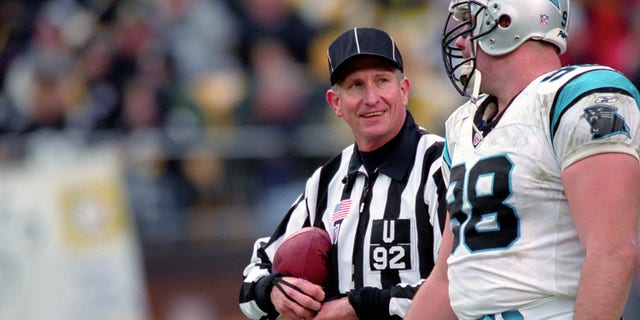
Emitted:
<point x="596" y="113"/>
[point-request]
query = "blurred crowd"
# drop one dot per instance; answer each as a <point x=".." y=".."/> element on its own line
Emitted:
<point x="177" y="79"/>
<point x="220" y="101"/>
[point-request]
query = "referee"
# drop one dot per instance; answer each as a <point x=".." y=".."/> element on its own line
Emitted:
<point x="382" y="199"/>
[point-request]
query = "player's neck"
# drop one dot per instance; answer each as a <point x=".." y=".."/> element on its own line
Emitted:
<point x="529" y="62"/>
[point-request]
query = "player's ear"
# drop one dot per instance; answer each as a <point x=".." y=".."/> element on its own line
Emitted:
<point x="333" y="99"/>
<point x="405" y="87"/>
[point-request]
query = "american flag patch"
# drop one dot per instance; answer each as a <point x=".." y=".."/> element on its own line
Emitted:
<point x="341" y="211"/>
<point x="544" y="19"/>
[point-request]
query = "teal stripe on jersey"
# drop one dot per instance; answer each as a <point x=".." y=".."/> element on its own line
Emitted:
<point x="445" y="154"/>
<point x="507" y="315"/>
<point x="555" y="3"/>
<point x="602" y="80"/>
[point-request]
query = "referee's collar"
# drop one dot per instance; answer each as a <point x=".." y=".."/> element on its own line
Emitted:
<point x="402" y="153"/>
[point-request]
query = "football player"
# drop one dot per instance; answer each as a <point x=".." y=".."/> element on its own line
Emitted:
<point x="542" y="171"/>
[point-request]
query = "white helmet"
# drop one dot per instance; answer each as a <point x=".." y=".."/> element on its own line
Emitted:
<point x="499" y="27"/>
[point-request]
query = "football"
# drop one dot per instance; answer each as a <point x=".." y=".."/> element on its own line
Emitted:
<point x="305" y="254"/>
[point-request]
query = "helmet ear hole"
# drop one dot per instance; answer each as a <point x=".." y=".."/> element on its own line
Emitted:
<point x="504" y="21"/>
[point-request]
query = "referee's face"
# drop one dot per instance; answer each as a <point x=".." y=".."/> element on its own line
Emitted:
<point x="372" y="99"/>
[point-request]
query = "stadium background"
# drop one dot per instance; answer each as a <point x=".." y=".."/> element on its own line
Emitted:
<point x="145" y="143"/>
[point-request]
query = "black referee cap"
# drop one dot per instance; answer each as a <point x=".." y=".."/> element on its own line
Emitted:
<point x="362" y="41"/>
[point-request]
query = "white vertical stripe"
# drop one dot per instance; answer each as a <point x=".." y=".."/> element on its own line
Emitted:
<point x="393" y="52"/>
<point x="355" y="32"/>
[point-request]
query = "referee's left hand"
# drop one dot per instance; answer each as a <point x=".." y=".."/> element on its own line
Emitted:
<point x="297" y="298"/>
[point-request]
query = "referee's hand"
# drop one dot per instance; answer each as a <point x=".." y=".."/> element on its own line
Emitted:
<point x="296" y="298"/>
<point x="337" y="309"/>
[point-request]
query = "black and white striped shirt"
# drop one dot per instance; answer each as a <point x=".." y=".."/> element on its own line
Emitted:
<point x="385" y="226"/>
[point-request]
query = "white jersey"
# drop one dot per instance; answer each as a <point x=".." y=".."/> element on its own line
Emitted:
<point x="516" y="252"/>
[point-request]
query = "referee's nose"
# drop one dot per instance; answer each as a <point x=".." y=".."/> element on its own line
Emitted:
<point x="371" y="94"/>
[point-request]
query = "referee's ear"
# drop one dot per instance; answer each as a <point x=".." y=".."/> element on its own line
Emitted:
<point x="333" y="99"/>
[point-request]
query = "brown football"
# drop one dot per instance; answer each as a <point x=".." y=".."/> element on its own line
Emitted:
<point x="305" y="254"/>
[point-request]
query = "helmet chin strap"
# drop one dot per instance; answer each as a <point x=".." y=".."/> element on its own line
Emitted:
<point x="476" y="79"/>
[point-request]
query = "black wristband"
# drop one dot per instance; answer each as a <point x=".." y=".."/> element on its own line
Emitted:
<point x="263" y="294"/>
<point x="355" y="303"/>
<point x="370" y="303"/>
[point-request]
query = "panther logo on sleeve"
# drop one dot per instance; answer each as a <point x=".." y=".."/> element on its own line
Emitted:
<point x="605" y="121"/>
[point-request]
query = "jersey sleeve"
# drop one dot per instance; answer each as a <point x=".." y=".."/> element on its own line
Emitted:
<point x="596" y="112"/>
<point x="254" y="297"/>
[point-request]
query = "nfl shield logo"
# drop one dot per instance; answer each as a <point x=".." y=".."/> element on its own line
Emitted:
<point x="544" y="19"/>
